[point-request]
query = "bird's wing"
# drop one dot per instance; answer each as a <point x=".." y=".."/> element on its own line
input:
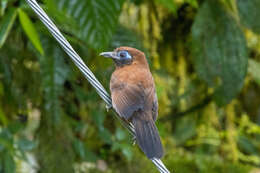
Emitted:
<point x="139" y="104"/>
<point x="127" y="99"/>
<point x="154" y="106"/>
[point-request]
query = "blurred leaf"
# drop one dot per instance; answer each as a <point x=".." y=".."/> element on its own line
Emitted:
<point x="80" y="93"/>
<point x="193" y="3"/>
<point x="25" y="144"/>
<point x="105" y="135"/>
<point x="3" y="6"/>
<point x="55" y="151"/>
<point x="3" y="118"/>
<point x="1" y="149"/>
<point x="97" y="19"/>
<point x="90" y="156"/>
<point x="79" y="148"/>
<point x="254" y="70"/>
<point x="15" y="126"/>
<point x="30" y="30"/>
<point x="80" y="126"/>
<point x="127" y="151"/>
<point x="124" y="36"/>
<point x="252" y="159"/>
<point x="98" y="117"/>
<point x="1" y="88"/>
<point x="83" y="151"/>
<point x="246" y="144"/>
<point x="185" y="130"/>
<point x="220" y="52"/>
<point x="249" y="13"/>
<point x="169" y="4"/>
<point x="54" y="72"/>
<point x="9" y="164"/>
<point x="115" y="146"/>
<point x="137" y="2"/>
<point x="5" y="68"/>
<point x="120" y="134"/>
<point x="6" y="139"/>
<point x="6" y="25"/>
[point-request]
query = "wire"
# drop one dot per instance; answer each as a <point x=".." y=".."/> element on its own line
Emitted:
<point x="85" y="70"/>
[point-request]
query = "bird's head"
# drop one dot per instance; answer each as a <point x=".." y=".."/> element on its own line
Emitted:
<point x="123" y="56"/>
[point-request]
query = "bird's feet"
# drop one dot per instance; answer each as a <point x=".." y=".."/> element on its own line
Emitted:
<point x="134" y="140"/>
<point x="108" y="107"/>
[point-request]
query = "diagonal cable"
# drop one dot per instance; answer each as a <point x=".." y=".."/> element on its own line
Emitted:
<point x="85" y="70"/>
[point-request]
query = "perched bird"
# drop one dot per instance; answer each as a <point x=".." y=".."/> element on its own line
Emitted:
<point x="134" y="97"/>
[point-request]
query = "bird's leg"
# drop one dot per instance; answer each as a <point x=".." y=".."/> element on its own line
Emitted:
<point x="108" y="107"/>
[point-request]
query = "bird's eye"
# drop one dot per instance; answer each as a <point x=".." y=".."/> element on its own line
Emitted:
<point x="124" y="54"/>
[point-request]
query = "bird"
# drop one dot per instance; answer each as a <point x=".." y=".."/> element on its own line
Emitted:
<point x="134" y="97"/>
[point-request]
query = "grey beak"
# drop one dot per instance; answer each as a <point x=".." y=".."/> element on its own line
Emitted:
<point x="109" y="55"/>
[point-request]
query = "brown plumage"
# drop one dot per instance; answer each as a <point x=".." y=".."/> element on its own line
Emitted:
<point x="134" y="97"/>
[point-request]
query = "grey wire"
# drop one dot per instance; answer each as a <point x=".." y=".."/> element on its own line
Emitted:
<point x="85" y="70"/>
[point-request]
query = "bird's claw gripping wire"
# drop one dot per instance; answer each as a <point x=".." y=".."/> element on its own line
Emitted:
<point x="108" y="107"/>
<point x="134" y="140"/>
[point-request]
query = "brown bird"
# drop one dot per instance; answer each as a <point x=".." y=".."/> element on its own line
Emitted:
<point x="134" y="97"/>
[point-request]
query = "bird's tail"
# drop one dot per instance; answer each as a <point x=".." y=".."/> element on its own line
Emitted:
<point x="147" y="137"/>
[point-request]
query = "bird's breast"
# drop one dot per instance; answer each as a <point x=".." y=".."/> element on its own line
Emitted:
<point x="131" y="75"/>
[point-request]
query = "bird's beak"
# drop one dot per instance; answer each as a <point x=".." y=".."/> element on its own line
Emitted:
<point x="109" y="55"/>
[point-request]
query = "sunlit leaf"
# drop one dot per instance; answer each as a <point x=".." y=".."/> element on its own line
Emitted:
<point x="249" y="13"/>
<point x="193" y="3"/>
<point x="254" y="70"/>
<point x="6" y="25"/>
<point x="3" y="6"/>
<point x="30" y="30"/>
<point x="219" y="50"/>
<point x="96" y="19"/>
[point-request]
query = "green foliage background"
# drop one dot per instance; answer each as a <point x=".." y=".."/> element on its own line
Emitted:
<point x="204" y="56"/>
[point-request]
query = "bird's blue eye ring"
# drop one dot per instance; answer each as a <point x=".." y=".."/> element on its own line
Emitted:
<point x="124" y="54"/>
